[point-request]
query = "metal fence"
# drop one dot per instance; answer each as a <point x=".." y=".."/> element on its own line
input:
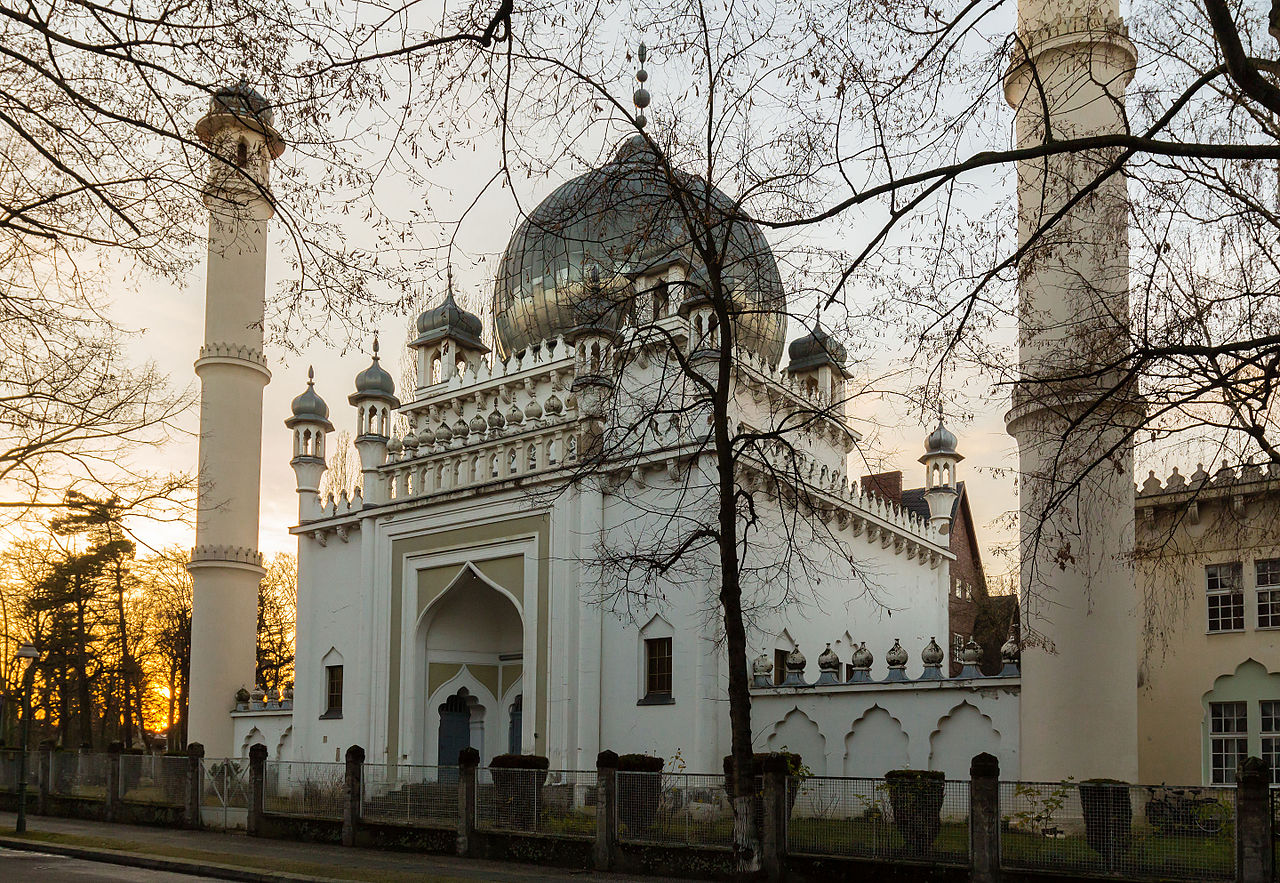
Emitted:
<point x="10" y="760"/>
<point x="77" y="774"/>
<point x="153" y="778"/>
<point x="224" y="792"/>
<point x="305" y="788"/>
<point x="1139" y="831"/>
<point x="410" y="795"/>
<point x="877" y="819"/>
<point x="559" y="802"/>
<point x="674" y="808"/>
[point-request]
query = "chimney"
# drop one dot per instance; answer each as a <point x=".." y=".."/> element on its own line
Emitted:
<point x="886" y="485"/>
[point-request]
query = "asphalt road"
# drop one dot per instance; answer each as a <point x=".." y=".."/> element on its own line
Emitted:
<point x="18" y="866"/>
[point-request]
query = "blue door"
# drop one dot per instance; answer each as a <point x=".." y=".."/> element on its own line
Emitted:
<point x="455" y="730"/>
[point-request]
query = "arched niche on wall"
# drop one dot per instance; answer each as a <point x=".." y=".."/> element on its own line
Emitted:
<point x="963" y="732"/>
<point x="798" y="734"/>
<point x="875" y="744"/>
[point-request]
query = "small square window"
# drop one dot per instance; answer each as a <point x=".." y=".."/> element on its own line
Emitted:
<point x="1224" y="598"/>
<point x="333" y="690"/>
<point x="1228" y="740"/>
<point x="657" y="676"/>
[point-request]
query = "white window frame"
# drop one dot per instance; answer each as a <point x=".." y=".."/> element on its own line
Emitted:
<point x="1269" y="713"/>
<point x="1267" y="586"/>
<point x="1222" y="738"/>
<point x="1217" y="590"/>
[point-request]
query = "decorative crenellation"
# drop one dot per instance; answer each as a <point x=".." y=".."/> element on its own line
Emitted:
<point x="897" y="657"/>
<point x="233" y="351"/>
<point x="237" y="554"/>
<point x="259" y="700"/>
<point x="1200" y="480"/>
<point x="1083" y="27"/>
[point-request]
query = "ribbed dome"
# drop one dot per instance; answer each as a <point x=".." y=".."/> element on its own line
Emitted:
<point x="449" y="320"/>
<point x="242" y="100"/>
<point x="814" y="350"/>
<point x="622" y="218"/>
<point x="940" y="441"/>
<point x="374" y="380"/>
<point x="309" y="405"/>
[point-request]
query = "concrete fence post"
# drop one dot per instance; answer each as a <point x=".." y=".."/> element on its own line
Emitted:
<point x="257" y="789"/>
<point x="773" y="840"/>
<point x="606" y="845"/>
<point x="115" y="775"/>
<point x="44" y="767"/>
<point x="355" y="792"/>
<point x="194" y="785"/>
<point x="1255" y="850"/>
<point x="984" y="819"/>
<point x="468" y="762"/>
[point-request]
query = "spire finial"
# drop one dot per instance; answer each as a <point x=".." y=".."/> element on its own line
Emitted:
<point x="641" y="95"/>
<point x="375" y="346"/>
<point x="311" y="375"/>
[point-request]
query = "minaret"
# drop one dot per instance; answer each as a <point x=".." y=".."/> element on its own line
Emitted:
<point x="375" y="401"/>
<point x="1078" y="707"/>
<point x="226" y="566"/>
<point x="309" y="420"/>
<point x="940" y="485"/>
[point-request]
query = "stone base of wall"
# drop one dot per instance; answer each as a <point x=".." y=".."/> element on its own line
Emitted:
<point x="556" y="852"/>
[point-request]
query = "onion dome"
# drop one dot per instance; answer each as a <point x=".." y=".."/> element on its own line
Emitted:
<point x="762" y="665"/>
<point x="444" y="434"/>
<point x="242" y="100"/>
<point x="496" y="420"/>
<point x="828" y="660"/>
<point x="897" y="656"/>
<point x="533" y="410"/>
<point x="478" y="424"/>
<point x="814" y="350"/>
<point x="309" y="407"/>
<point x="624" y="218"/>
<point x="515" y="416"/>
<point x="554" y="406"/>
<point x="795" y="669"/>
<point x="1010" y="655"/>
<point x="932" y="654"/>
<point x="460" y="429"/>
<point x="940" y="441"/>
<point x="862" y="657"/>
<point x="450" y="321"/>
<point x="410" y="441"/>
<point x="374" y="380"/>
<point x="971" y="660"/>
<point x="395" y="446"/>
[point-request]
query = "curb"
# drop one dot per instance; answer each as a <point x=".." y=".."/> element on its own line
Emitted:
<point x="153" y="863"/>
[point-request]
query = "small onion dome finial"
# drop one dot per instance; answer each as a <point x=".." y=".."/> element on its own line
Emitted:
<point x="941" y="440"/>
<point x="796" y="660"/>
<point x="309" y="407"/>
<point x="828" y="660"/>
<point x="932" y="654"/>
<point x="375" y="380"/>
<point x="762" y="665"/>
<point x="1009" y="652"/>
<point x="897" y="655"/>
<point x="641" y="96"/>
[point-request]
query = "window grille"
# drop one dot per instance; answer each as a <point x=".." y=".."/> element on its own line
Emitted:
<point x="1228" y="740"/>
<point x="657" y="667"/>
<point x="1268" y="573"/>
<point x="333" y="689"/>
<point x="1225" y="600"/>
<point x="1271" y="737"/>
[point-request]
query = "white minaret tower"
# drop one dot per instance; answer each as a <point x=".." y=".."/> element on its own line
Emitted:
<point x="375" y="402"/>
<point x="309" y="420"/>
<point x="940" y="486"/>
<point x="226" y="566"/>
<point x="1078" y="709"/>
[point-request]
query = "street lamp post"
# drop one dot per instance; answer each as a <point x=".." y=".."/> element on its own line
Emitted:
<point x="25" y="657"/>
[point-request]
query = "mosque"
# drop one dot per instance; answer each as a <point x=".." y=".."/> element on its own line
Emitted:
<point x="493" y="581"/>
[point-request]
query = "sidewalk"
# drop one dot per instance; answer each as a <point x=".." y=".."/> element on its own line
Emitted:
<point x="239" y="857"/>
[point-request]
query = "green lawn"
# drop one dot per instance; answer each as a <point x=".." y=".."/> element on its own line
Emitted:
<point x="1150" y="855"/>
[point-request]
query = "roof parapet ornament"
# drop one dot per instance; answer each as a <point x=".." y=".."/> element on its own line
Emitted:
<point x="641" y="96"/>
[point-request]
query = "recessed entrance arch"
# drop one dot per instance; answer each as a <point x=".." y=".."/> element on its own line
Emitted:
<point x="471" y="643"/>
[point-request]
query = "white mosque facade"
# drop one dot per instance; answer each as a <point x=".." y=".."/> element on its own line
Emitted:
<point x="471" y="593"/>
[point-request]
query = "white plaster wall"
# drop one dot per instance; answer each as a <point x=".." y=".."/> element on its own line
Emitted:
<point x="271" y="728"/>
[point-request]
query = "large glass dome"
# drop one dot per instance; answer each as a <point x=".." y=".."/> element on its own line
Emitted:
<point x="621" y="218"/>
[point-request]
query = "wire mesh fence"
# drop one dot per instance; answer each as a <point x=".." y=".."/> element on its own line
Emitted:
<point x="153" y="778"/>
<point x="1139" y="831"/>
<point x="674" y="808"/>
<point x="924" y="819"/>
<point x="410" y="795"/>
<point x="305" y="788"/>
<point x="537" y="801"/>
<point x="77" y="774"/>
<point x="224" y="792"/>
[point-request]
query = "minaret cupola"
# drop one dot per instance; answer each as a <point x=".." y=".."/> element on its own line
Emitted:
<point x="593" y="339"/>
<point x="940" y="486"/>
<point x="448" y="342"/>
<point x="817" y="362"/>
<point x="374" y="400"/>
<point x="310" y="424"/>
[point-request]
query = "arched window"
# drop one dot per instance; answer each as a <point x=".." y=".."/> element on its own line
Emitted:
<point x="435" y="367"/>
<point x="242" y="153"/>
<point x="493" y="466"/>
<point x="533" y="458"/>
<point x="513" y="462"/>
<point x="516" y="714"/>
<point x="661" y="300"/>
<point x="572" y="453"/>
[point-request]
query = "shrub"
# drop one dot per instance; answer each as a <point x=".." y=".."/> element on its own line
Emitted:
<point x="519" y="762"/>
<point x="640" y="763"/>
<point x="916" y="798"/>
<point x="1108" y="817"/>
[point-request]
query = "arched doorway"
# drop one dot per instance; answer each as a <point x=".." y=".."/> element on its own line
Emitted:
<point x="455" y="728"/>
